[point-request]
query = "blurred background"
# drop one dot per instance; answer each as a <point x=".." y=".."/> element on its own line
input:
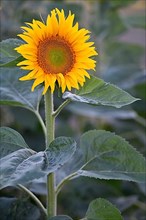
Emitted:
<point x="118" y="30"/>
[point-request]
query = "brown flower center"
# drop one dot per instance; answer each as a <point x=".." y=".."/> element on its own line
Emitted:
<point x="55" y="55"/>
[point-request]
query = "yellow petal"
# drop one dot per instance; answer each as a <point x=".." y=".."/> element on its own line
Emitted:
<point x="73" y="81"/>
<point x="52" y="79"/>
<point x="62" y="28"/>
<point x="68" y="85"/>
<point x="27" y="67"/>
<point x="49" y="26"/>
<point x="54" y="23"/>
<point x="78" y="35"/>
<point x="29" y="76"/>
<point x="61" y="81"/>
<point x="37" y="82"/>
<point x="27" y="39"/>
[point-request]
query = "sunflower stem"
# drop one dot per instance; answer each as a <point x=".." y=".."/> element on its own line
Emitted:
<point x="50" y="130"/>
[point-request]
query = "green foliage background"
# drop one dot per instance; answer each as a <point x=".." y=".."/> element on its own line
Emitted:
<point x="118" y="29"/>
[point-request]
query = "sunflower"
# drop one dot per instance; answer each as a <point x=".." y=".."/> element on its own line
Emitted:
<point x="57" y="51"/>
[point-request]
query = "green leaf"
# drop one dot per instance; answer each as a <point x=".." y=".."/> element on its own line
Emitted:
<point x="17" y="93"/>
<point x="9" y="56"/>
<point x="101" y="209"/>
<point x="18" y="208"/>
<point x="25" y="165"/>
<point x="108" y="156"/>
<point x="14" y="165"/>
<point x="97" y="92"/>
<point x="12" y="63"/>
<point x="60" y="151"/>
<point x="10" y="141"/>
<point x="102" y="112"/>
<point x="60" y="217"/>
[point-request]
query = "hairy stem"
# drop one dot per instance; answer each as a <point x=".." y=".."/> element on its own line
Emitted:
<point x="50" y="130"/>
<point x="36" y="200"/>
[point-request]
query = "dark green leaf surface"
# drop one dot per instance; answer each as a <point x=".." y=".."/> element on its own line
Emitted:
<point x="97" y="92"/>
<point x="18" y="208"/>
<point x="102" y="112"/>
<point x="9" y="56"/>
<point x="10" y="141"/>
<point x="108" y="156"/>
<point x="17" y="93"/>
<point x="60" y="151"/>
<point x="14" y="165"/>
<point x="26" y="165"/>
<point x="101" y="209"/>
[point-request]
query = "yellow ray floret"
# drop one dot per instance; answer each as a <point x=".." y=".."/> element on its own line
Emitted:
<point x="56" y="52"/>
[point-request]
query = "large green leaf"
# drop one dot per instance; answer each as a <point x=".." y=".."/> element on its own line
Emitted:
<point x="18" y="93"/>
<point x="9" y="57"/>
<point x="102" y="112"/>
<point x="14" y="165"/>
<point x="60" y="151"/>
<point x="18" y="208"/>
<point x="108" y="156"/>
<point x="97" y="92"/>
<point x="10" y="141"/>
<point x="101" y="209"/>
<point x="25" y="165"/>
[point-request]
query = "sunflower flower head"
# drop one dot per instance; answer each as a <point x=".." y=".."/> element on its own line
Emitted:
<point x="57" y="51"/>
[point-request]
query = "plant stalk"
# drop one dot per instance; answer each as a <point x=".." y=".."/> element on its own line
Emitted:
<point x="37" y="201"/>
<point x="50" y="130"/>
